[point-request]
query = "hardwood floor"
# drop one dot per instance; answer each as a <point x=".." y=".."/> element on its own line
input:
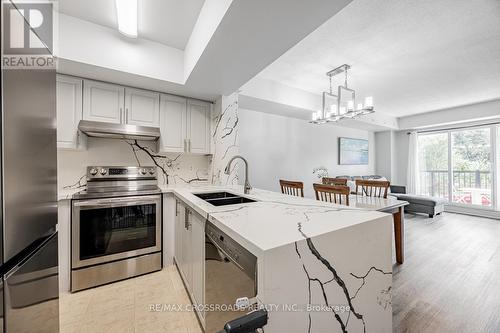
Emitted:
<point x="450" y="281"/>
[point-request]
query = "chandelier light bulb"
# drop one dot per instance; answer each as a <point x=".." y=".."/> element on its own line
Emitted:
<point x="369" y="102"/>
<point x="350" y="105"/>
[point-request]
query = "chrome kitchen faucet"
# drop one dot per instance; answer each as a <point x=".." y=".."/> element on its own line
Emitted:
<point x="227" y="171"/>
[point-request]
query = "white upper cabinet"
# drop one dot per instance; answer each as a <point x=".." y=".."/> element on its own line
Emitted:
<point x="172" y="123"/>
<point x="142" y="107"/>
<point x="198" y="129"/>
<point x="103" y="102"/>
<point x="69" y="112"/>
<point x="184" y="125"/>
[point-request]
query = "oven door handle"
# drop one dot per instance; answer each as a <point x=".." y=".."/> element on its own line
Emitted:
<point x="112" y="203"/>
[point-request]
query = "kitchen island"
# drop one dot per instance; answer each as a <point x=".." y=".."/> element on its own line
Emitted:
<point x="320" y="267"/>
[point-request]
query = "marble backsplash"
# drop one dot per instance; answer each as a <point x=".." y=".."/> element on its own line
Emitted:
<point x="173" y="168"/>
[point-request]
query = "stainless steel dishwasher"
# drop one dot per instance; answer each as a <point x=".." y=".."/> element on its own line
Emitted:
<point x="230" y="274"/>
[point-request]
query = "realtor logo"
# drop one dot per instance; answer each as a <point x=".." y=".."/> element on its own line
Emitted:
<point x="27" y="34"/>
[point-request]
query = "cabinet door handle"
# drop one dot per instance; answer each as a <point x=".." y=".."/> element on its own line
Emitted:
<point x="189" y="145"/>
<point x="185" y="145"/>
<point x="187" y="223"/>
<point x="121" y="116"/>
<point x="126" y="115"/>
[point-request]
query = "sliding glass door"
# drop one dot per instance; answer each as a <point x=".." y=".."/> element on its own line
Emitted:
<point x="433" y="164"/>
<point x="472" y="167"/>
<point x="460" y="162"/>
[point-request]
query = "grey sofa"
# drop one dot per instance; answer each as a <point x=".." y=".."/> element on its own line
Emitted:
<point x="417" y="203"/>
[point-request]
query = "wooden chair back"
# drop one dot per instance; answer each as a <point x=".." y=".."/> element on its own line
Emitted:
<point x="372" y="188"/>
<point x="292" y="188"/>
<point x="338" y="194"/>
<point x="334" y="181"/>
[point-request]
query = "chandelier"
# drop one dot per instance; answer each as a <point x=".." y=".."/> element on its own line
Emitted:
<point x="342" y="105"/>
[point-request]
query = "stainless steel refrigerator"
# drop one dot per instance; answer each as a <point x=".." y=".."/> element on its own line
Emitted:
<point x="28" y="246"/>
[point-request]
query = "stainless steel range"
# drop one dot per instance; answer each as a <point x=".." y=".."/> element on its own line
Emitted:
<point x="115" y="226"/>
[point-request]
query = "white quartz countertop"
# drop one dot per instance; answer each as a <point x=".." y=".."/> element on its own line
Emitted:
<point x="275" y="219"/>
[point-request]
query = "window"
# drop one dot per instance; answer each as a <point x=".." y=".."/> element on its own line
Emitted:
<point x="471" y="167"/>
<point x="459" y="162"/>
<point x="433" y="164"/>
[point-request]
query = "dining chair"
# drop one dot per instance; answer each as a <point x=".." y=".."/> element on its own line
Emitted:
<point x="338" y="194"/>
<point x="292" y="188"/>
<point x="334" y="181"/>
<point x="372" y="188"/>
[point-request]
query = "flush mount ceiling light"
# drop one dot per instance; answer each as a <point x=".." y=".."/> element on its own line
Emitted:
<point x="126" y="11"/>
<point x="342" y="105"/>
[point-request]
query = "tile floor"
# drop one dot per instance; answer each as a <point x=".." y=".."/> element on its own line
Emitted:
<point x="124" y="306"/>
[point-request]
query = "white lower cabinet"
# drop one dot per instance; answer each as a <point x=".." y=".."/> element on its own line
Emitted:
<point x="186" y="266"/>
<point x="190" y="252"/>
<point x="198" y="258"/>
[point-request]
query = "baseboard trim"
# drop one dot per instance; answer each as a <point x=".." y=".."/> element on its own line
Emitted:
<point x="492" y="214"/>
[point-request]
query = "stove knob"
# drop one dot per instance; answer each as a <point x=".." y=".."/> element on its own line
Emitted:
<point x="93" y="171"/>
<point x="103" y="171"/>
<point x="152" y="171"/>
<point x="142" y="171"/>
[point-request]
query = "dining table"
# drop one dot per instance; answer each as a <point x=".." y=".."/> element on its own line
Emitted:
<point x="389" y="205"/>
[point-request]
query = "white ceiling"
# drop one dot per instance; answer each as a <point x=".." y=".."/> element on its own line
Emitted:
<point x="413" y="56"/>
<point x="169" y="22"/>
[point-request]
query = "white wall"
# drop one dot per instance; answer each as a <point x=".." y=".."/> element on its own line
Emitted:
<point x="384" y="157"/>
<point x="401" y="140"/>
<point x="391" y="159"/>
<point x="288" y="148"/>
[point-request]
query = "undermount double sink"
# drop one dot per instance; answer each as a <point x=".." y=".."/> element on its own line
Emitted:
<point x="223" y="198"/>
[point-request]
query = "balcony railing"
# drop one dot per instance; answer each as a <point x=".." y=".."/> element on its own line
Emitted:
<point x="435" y="183"/>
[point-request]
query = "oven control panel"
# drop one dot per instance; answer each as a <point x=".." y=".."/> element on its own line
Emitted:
<point x="121" y="172"/>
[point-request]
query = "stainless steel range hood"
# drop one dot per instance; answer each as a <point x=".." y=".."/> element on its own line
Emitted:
<point x="99" y="129"/>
